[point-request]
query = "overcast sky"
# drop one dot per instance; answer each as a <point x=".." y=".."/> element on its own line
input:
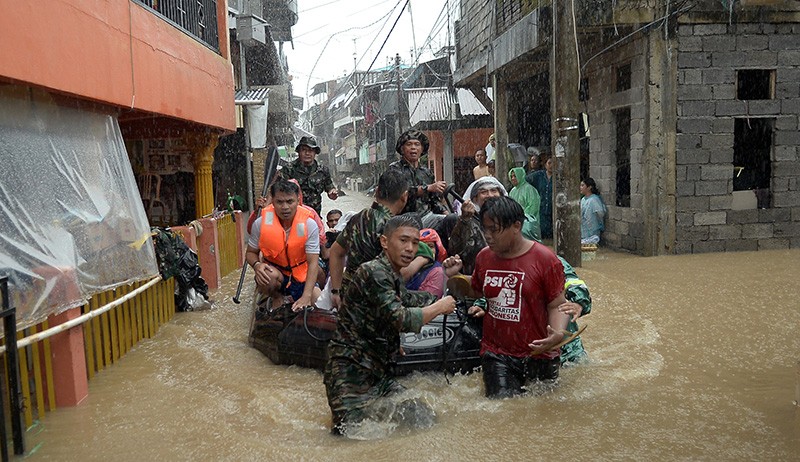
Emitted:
<point x="329" y="32"/>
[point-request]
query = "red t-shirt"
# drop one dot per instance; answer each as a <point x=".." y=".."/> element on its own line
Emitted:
<point x="517" y="292"/>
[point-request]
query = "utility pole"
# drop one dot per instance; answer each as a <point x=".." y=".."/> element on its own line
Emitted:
<point x="402" y="113"/>
<point x="243" y="86"/>
<point x="564" y="81"/>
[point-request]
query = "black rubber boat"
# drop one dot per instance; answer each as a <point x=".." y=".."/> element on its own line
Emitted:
<point x="447" y="343"/>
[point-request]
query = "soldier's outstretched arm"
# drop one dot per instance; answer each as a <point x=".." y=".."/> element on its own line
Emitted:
<point x="446" y="305"/>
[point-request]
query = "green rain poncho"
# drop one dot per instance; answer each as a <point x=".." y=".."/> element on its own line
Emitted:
<point x="524" y="193"/>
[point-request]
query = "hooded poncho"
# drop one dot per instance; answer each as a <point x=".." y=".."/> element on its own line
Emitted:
<point x="524" y="193"/>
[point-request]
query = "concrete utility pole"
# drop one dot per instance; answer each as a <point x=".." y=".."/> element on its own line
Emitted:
<point x="564" y="81"/>
<point x="402" y="112"/>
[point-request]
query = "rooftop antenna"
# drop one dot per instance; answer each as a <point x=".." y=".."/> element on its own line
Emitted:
<point x="413" y="34"/>
<point x="355" y="54"/>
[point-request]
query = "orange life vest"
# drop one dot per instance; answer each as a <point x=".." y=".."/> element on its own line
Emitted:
<point x="286" y="252"/>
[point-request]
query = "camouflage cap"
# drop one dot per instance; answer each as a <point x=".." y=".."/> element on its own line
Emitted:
<point x="412" y="135"/>
<point x="309" y="141"/>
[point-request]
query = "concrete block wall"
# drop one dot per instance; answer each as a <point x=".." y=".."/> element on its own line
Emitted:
<point x="473" y="29"/>
<point x="624" y="225"/>
<point x="708" y="57"/>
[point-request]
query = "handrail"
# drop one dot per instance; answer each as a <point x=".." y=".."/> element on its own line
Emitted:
<point x="22" y="343"/>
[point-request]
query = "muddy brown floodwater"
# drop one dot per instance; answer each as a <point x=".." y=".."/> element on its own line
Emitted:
<point x="693" y="357"/>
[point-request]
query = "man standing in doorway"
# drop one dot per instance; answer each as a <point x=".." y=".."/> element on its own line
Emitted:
<point x="522" y="282"/>
<point x="490" y="148"/>
<point x="314" y="178"/>
<point x="482" y="169"/>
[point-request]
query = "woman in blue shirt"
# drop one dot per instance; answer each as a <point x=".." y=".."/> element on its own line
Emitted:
<point x="593" y="212"/>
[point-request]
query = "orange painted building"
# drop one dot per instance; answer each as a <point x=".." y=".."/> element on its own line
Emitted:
<point x="162" y="68"/>
<point x="162" y="76"/>
<point x="121" y="53"/>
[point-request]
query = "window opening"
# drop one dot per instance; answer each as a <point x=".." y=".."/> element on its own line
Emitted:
<point x="622" y="118"/>
<point x="624" y="77"/>
<point x="752" y="167"/>
<point x="755" y="84"/>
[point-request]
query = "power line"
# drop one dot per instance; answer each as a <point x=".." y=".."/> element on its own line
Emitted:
<point x="377" y="55"/>
<point x="432" y="33"/>
<point x="318" y="28"/>
<point x="319" y="6"/>
<point x="311" y="73"/>
<point x="388" y="35"/>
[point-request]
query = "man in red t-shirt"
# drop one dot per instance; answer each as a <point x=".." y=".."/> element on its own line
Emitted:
<point x="523" y="284"/>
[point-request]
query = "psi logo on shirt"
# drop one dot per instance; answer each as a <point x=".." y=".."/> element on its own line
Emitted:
<point x="503" y="291"/>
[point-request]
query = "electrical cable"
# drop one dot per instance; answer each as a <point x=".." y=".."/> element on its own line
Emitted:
<point x="319" y="6"/>
<point x="646" y="26"/>
<point x="311" y="73"/>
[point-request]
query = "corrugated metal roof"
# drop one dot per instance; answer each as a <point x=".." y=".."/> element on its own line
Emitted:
<point x="252" y="96"/>
<point x="469" y="104"/>
<point x="437" y="104"/>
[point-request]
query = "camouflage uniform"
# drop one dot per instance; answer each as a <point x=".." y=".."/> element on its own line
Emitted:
<point x="361" y="238"/>
<point x="577" y="292"/>
<point x="466" y="240"/>
<point x="314" y="180"/>
<point x="420" y="176"/>
<point x="377" y="308"/>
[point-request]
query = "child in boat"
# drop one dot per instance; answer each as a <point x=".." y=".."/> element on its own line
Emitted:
<point x="431" y="268"/>
<point x="332" y="219"/>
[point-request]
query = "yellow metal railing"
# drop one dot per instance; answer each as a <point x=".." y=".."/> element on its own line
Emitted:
<point x="36" y="376"/>
<point x="228" y="245"/>
<point x="108" y="337"/>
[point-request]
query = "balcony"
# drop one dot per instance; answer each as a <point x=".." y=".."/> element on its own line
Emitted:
<point x="198" y="18"/>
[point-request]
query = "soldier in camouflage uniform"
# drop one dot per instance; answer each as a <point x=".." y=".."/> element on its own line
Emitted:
<point x="377" y="309"/>
<point x="359" y="242"/>
<point x="424" y="192"/>
<point x="314" y="178"/>
<point x="579" y="303"/>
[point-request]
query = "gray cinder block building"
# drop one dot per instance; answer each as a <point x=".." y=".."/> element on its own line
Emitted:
<point x="692" y="110"/>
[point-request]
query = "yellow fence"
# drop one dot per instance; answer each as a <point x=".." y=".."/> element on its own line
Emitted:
<point x="111" y="335"/>
<point x="228" y="245"/>
<point x="107" y="338"/>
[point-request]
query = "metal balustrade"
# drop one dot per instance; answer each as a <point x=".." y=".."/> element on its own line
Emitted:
<point x="197" y="18"/>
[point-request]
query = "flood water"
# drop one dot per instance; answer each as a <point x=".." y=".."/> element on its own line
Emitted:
<point x="692" y="357"/>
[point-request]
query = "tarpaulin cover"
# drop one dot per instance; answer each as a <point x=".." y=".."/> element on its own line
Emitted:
<point x="72" y="224"/>
<point x="257" y="124"/>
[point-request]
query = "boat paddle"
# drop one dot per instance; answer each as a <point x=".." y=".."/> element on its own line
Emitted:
<point x="270" y="170"/>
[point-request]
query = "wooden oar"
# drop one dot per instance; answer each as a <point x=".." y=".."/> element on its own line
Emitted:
<point x="460" y="287"/>
<point x="563" y="342"/>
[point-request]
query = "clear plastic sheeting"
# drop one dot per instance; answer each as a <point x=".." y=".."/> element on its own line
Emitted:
<point x="72" y="222"/>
